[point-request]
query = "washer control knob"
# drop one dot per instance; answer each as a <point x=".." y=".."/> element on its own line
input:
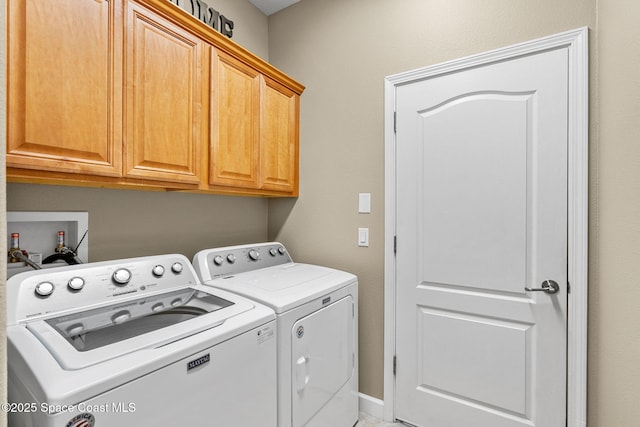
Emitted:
<point x="273" y="252"/>
<point x="121" y="276"/>
<point x="218" y="260"/>
<point x="254" y="254"/>
<point x="76" y="283"/>
<point x="281" y="250"/>
<point x="44" y="289"/>
<point x="157" y="307"/>
<point x="177" y="267"/>
<point x="158" y="270"/>
<point x="231" y="258"/>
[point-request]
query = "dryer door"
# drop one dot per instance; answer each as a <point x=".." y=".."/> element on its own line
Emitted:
<point x="322" y="357"/>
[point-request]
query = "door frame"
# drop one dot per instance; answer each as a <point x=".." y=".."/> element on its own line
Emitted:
<point x="576" y="43"/>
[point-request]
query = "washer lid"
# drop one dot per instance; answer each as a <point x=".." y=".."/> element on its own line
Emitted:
<point x="286" y="286"/>
<point x="99" y="327"/>
<point x="88" y="337"/>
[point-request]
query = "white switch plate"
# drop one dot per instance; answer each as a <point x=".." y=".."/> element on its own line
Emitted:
<point x="364" y="203"/>
<point x="363" y="237"/>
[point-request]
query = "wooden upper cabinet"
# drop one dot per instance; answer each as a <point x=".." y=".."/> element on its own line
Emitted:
<point x="254" y="129"/>
<point x="279" y="130"/>
<point x="64" y="86"/>
<point x="235" y="119"/>
<point x="164" y="106"/>
<point x="140" y="93"/>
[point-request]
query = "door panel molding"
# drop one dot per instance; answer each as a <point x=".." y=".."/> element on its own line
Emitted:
<point x="576" y="44"/>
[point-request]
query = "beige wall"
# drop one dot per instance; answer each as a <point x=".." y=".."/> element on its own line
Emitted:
<point x="614" y="355"/>
<point x="129" y="223"/>
<point x="342" y="50"/>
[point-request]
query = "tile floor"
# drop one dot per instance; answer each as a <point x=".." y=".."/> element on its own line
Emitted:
<point x="367" y="420"/>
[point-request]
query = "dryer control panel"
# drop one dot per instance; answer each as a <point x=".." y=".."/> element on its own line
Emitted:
<point x="231" y="260"/>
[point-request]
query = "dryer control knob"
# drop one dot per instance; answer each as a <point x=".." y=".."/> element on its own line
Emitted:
<point x="281" y="250"/>
<point x="76" y="283"/>
<point x="121" y="276"/>
<point x="218" y="260"/>
<point x="177" y="267"/>
<point x="231" y="258"/>
<point x="44" y="289"/>
<point x="273" y="252"/>
<point x="254" y="254"/>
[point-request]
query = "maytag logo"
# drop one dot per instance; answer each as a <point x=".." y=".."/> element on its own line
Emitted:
<point x="198" y="362"/>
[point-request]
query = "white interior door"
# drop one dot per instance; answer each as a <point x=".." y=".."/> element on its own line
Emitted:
<point x="481" y="202"/>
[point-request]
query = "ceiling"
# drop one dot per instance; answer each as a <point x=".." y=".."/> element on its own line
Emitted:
<point x="269" y="7"/>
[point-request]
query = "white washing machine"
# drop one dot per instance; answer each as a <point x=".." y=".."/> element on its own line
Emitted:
<point x="317" y="328"/>
<point x="136" y="342"/>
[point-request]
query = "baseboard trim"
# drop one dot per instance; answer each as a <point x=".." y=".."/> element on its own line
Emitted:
<point x="371" y="405"/>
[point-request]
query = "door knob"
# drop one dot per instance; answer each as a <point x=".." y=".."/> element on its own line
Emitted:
<point x="548" y="286"/>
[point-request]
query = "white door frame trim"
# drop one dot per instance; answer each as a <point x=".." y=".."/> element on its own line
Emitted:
<point x="576" y="43"/>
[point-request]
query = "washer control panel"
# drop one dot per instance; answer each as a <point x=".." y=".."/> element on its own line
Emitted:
<point x="231" y="260"/>
<point x="43" y="292"/>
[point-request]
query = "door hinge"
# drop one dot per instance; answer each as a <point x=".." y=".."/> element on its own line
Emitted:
<point x="395" y="244"/>
<point x="394" y="365"/>
<point x="394" y="122"/>
<point x="568" y="287"/>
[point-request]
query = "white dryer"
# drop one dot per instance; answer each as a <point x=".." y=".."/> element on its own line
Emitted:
<point x="317" y="328"/>
<point x="136" y="342"/>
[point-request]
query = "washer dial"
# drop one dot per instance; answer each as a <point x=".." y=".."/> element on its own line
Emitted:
<point x="158" y="270"/>
<point x="44" y="289"/>
<point x="177" y="267"/>
<point x="76" y="283"/>
<point x="121" y="276"/>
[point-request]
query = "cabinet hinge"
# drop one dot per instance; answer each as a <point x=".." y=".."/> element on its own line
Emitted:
<point x="394" y="122"/>
<point x="395" y="244"/>
<point x="394" y="365"/>
<point x="568" y="287"/>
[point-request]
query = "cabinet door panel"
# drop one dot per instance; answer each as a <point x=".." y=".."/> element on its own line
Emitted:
<point x="164" y="105"/>
<point x="64" y="86"/>
<point x="235" y="123"/>
<point x="279" y="138"/>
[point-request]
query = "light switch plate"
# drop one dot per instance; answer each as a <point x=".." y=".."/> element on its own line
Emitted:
<point x="363" y="237"/>
<point x="364" y="203"/>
